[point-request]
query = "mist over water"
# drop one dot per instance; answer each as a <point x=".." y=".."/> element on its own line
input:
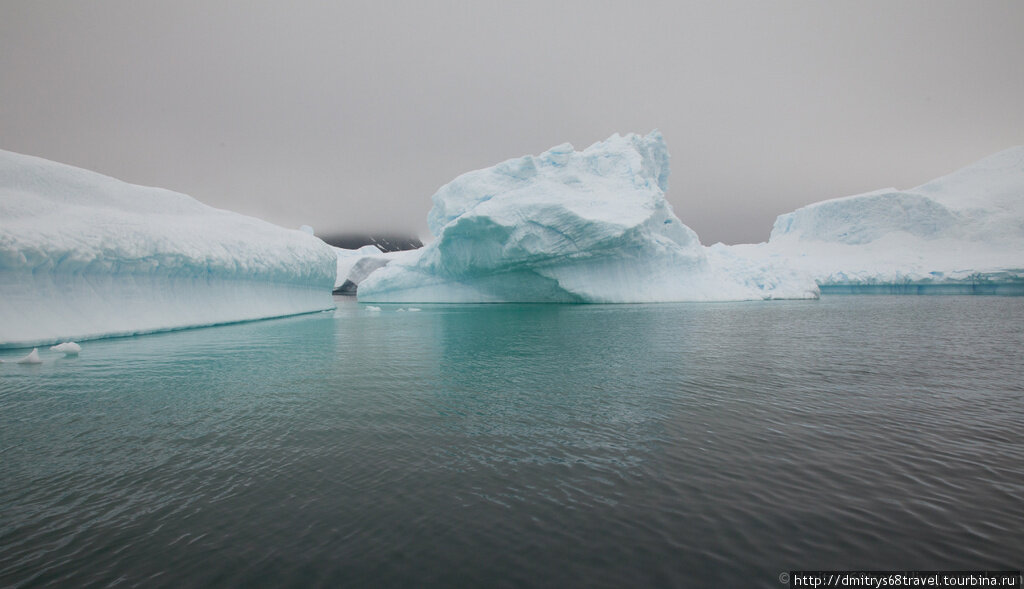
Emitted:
<point x="523" y="445"/>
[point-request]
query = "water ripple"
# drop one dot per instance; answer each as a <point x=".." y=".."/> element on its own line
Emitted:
<point x="522" y="445"/>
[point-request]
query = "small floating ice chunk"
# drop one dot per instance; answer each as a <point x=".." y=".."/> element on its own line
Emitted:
<point x="69" y="348"/>
<point x="31" y="358"/>
<point x="372" y="309"/>
<point x="414" y="309"/>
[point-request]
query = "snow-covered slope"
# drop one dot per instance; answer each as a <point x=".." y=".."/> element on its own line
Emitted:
<point x="567" y="226"/>
<point x="84" y="255"/>
<point x="965" y="227"/>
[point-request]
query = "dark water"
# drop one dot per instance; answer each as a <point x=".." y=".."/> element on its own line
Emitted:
<point x="536" y="445"/>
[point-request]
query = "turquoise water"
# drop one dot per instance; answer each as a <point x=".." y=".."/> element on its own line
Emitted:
<point x="523" y="445"/>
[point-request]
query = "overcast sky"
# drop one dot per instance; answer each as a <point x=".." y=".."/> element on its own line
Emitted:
<point x="348" y="116"/>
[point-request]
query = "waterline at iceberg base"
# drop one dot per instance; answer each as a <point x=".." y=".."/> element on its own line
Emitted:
<point x="1009" y="284"/>
<point x="41" y="309"/>
<point x="84" y="255"/>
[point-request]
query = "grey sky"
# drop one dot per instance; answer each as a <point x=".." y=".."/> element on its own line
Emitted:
<point x="348" y="116"/>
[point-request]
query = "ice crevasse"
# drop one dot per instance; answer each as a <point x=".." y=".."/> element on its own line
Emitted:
<point x="565" y="226"/>
<point x="83" y="255"/>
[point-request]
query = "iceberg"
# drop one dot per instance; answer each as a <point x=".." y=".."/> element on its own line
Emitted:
<point x="31" y="358"/>
<point x="962" y="233"/>
<point x="84" y="255"/>
<point x="573" y="227"/>
<point x="355" y="265"/>
<point x="68" y="348"/>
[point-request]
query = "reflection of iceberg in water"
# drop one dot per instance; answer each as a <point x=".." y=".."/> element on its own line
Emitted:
<point x="513" y="376"/>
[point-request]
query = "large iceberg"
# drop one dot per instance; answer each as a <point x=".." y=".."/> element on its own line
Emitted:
<point x="84" y="255"/>
<point x="566" y="226"/>
<point x="961" y="233"/>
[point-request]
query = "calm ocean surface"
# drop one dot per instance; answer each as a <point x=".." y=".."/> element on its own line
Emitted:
<point x="523" y="445"/>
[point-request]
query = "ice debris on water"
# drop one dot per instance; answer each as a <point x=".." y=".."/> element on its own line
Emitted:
<point x="31" y="358"/>
<point x="68" y="348"/>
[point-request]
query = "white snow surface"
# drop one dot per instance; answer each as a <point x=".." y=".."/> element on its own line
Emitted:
<point x="84" y="255"/>
<point x="963" y="226"/>
<point x="567" y="226"/>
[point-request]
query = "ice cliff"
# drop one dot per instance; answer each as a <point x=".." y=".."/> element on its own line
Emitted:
<point x="566" y="226"/>
<point x="963" y="229"/>
<point x="84" y="255"/>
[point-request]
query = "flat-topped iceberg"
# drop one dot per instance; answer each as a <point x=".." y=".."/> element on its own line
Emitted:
<point x="961" y="233"/>
<point x="84" y="255"/>
<point x="566" y="226"/>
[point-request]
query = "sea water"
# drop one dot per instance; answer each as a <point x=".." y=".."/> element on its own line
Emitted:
<point x="521" y="446"/>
